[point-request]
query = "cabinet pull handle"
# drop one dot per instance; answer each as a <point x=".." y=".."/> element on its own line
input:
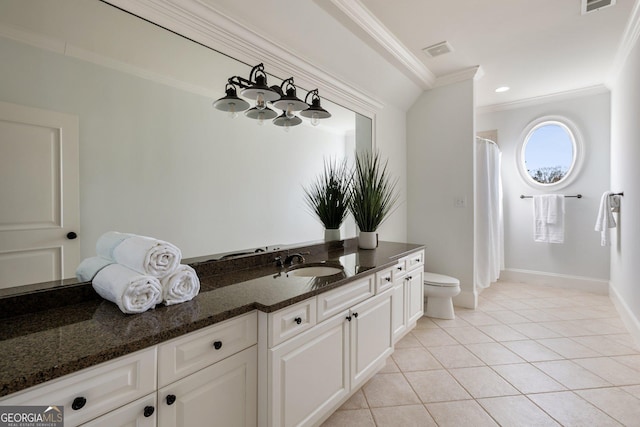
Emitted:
<point x="388" y="279"/>
<point x="349" y="318"/>
<point x="399" y="268"/>
<point x="78" y="403"/>
<point x="171" y="398"/>
<point x="298" y="320"/>
<point x="72" y="235"/>
<point x="217" y="345"/>
<point x="148" y="411"/>
<point x="409" y="278"/>
<point x="355" y="315"/>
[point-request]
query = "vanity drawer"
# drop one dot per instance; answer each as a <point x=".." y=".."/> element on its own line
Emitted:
<point x="384" y="279"/>
<point x="399" y="270"/>
<point x="333" y="302"/>
<point x="290" y="321"/>
<point x="187" y="354"/>
<point x="414" y="260"/>
<point x="96" y="390"/>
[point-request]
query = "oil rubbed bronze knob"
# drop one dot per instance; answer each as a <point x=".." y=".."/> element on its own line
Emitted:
<point x="71" y="235"/>
<point x="217" y="345"/>
<point x="171" y="398"/>
<point x="148" y="411"/>
<point x="298" y="320"/>
<point x="78" y="403"/>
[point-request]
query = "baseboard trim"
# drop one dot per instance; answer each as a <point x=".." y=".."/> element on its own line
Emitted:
<point x="628" y="318"/>
<point x="587" y="284"/>
<point x="466" y="299"/>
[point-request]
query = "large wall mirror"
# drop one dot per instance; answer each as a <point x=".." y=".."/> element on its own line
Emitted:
<point x="155" y="158"/>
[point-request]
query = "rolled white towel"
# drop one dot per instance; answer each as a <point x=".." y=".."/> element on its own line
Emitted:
<point x="131" y="291"/>
<point x="89" y="267"/>
<point x="180" y="286"/>
<point x="142" y="254"/>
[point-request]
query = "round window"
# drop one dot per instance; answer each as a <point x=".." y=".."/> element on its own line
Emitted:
<point x="550" y="153"/>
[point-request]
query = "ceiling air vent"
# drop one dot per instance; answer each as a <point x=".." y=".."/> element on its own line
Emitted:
<point x="439" y="49"/>
<point x="589" y="6"/>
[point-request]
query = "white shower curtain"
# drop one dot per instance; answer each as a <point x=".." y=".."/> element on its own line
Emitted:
<point x="489" y="241"/>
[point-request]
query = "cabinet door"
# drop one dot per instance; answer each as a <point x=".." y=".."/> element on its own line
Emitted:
<point x="415" y="295"/>
<point x="398" y="316"/>
<point x="141" y="413"/>
<point x="223" y="394"/>
<point x="309" y="373"/>
<point x="371" y="336"/>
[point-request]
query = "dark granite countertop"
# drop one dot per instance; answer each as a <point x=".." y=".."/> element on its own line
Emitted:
<point x="52" y="331"/>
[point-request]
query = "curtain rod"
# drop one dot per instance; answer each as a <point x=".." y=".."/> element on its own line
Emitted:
<point x="522" y="196"/>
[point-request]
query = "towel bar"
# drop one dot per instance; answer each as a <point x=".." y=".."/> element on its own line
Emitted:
<point x="522" y="196"/>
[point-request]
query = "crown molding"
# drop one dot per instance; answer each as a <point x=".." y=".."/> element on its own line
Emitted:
<point x="472" y="73"/>
<point x="200" y="22"/>
<point x="364" y="19"/>
<point x="539" y="100"/>
<point x="629" y="40"/>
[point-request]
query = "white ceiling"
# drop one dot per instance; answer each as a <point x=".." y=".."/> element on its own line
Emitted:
<point x="537" y="48"/>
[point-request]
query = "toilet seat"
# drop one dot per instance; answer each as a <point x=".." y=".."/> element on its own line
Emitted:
<point x="434" y="279"/>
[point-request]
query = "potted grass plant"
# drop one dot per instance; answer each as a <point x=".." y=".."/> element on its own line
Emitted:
<point x="328" y="197"/>
<point x="373" y="197"/>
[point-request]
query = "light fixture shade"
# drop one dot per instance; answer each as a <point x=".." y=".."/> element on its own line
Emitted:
<point x="284" y="121"/>
<point x="315" y="111"/>
<point x="290" y="101"/>
<point x="231" y="102"/>
<point x="256" y="114"/>
<point x="260" y="87"/>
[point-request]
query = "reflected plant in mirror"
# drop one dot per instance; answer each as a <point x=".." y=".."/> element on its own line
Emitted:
<point x="329" y="195"/>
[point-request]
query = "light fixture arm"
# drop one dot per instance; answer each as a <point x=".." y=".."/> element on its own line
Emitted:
<point x="315" y="96"/>
<point x="256" y="71"/>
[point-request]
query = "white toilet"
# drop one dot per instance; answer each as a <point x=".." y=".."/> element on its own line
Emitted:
<point x="439" y="290"/>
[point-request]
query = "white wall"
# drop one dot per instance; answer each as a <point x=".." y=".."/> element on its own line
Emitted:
<point x="440" y="135"/>
<point x="581" y="254"/>
<point x="390" y="140"/>
<point x="625" y="176"/>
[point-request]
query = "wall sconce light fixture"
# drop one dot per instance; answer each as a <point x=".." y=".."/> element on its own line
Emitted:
<point x="281" y="97"/>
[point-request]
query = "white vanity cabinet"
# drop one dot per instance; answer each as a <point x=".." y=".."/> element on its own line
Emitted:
<point x="408" y="293"/>
<point x="223" y="394"/>
<point x="95" y="391"/>
<point x="307" y="376"/>
<point x="209" y="377"/>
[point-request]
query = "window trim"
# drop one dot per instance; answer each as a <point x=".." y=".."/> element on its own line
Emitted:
<point x="578" y="149"/>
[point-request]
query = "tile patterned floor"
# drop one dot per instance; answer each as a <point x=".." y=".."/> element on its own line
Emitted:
<point x="528" y="356"/>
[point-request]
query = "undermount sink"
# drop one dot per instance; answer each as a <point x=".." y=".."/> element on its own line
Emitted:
<point x="314" y="271"/>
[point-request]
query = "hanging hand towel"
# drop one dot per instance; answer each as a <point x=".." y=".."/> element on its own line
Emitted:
<point x="131" y="291"/>
<point x="180" y="286"/>
<point x="142" y="254"/>
<point x="89" y="267"/>
<point x="548" y="218"/>
<point x="605" y="219"/>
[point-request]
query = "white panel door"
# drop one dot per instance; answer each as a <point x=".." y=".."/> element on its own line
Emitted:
<point x="39" y="195"/>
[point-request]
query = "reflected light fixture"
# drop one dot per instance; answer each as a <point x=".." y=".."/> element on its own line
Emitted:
<point x="315" y="112"/>
<point x="502" y="89"/>
<point x="230" y="102"/>
<point x="281" y="97"/>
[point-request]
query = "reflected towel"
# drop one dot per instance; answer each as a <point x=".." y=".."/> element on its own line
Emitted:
<point x="605" y="219"/>
<point x="548" y="218"/>
<point x="142" y="254"/>
<point x="131" y="291"/>
<point x="180" y="286"/>
<point x="89" y="267"/>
